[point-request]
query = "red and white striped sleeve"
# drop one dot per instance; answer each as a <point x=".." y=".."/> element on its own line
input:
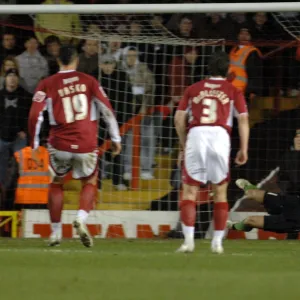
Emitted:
<point x="36" y="117"/>
<point x="105" y="107"/>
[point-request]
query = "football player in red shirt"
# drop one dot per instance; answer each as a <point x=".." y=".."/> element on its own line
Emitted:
<point x="73" y="101"/>
<point x="208" y="108"/>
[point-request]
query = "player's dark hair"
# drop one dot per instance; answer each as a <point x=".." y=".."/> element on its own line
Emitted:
<point x="218" y="64"/>
<point x="67" y="54"/>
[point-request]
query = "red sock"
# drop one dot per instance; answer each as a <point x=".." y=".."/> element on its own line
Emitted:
<point x="188" y="212"/>
<point x="220" y="215"/>
<point x="87" y="197"/>
<point x="55" y="203"/>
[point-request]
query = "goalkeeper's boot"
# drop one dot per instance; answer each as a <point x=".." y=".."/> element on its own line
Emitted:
<point x="54" y="239"/>
<point x="239" y="226"/>
<point x="245" y="185"/>
<point x="230" y="224"/>
<point x="83" y="233"/>
<point x="186" y="248"/>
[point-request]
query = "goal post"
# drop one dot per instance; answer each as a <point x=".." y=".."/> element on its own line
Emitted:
<point x="144" y="67"/>
<point x="152" y="8"/>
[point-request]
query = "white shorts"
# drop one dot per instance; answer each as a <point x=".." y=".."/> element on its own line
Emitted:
<point x="82" y="165"/>
<point x="206" y="156"/>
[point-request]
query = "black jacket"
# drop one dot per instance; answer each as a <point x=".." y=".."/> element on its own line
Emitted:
<point x="118" y="90"/>
<point x="14" y="111"/>
<point x="289" y="175"/>
<point x="8" y="52"/>
<point x="254" y="73"/>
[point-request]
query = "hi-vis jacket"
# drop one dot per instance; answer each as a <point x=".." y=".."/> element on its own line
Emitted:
<point x="34" y="177"/>
<point x="237" y="69"/>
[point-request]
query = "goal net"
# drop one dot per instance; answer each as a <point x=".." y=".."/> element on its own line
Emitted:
<point x="144" y="62"/>
<point x="290" y="22"/>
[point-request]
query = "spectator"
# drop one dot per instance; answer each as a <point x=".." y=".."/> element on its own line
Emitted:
<point x="289" y="178"/>
<point x="88" y="59"/>
<point x="292" y="71"/>
<point x="135" y="27"/>
<point x="93" y="30"/>
<point x="14" y="109"/>
<point x="9" y="62"/>
<point x="185" y="27"/>
<point x="116" y="85"/>
<point x="52" y="45"/>
<point x="183" y="71"/>
<point x="8" y="47"/>
<point x="136" y="32"/>
<point x="69" y="23"/>
<point x="197" y="20"/>
<point x="143" y="87"/>
<point x="33" y="66"/>
<point x="245" y="70"/>
<point x="114" y="48"/>
<point x="261" y="28"/>
<point x="217" y="27"/>
<point x="239" y="21"/>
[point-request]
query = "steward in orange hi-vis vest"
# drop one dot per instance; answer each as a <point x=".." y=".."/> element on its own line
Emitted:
<point x="237" y="69"/>
<point x="34" y="176"/>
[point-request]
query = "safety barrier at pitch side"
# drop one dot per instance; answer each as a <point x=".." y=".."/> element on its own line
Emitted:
<point x="10" y="216"/>
<point x="134" y="124"/>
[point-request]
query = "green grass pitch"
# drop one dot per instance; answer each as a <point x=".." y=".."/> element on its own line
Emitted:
<point x="148" y="270"/>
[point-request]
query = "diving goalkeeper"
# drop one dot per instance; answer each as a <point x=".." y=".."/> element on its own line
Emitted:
<point x="283" y="211"/>
<point x="284" y="208"/>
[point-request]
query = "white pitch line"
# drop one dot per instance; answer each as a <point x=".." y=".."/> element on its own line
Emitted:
<point x="241" y="254"/>
<point x="29" y="250"/>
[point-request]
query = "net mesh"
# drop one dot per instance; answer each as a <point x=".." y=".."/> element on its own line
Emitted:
<point x="290" y="22"/>
<point x="127" y="28"/>
<point x="146" y="175"/>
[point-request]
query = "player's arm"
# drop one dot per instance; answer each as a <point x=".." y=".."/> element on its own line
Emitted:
<point x="243" y="123"/>
<point x="243" y="126"/>
<point x="180" y="125"/>
<point x="181" y="118"/>
<point x="36" y="117"/>
<point x="109" y="117"/>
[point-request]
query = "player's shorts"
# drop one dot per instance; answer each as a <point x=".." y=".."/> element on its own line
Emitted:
<point x="206" y="156"/>
<point x="284" y="213"/>
<point x="82" y="165"/>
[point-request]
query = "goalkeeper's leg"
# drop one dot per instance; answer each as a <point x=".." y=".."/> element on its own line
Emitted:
<point x="248" y="224"/>
<point x="55" y="206"/>
<point x="251" y="191"/>
<point x="87" y="201"/>
<point x="188" y="217"/>
<point x="270" y="201"/>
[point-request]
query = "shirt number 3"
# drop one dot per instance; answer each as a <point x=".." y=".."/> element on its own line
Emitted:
<point x="209" y="112"/>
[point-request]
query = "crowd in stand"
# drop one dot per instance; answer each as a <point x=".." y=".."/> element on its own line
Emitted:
<point x="139" y="78"/>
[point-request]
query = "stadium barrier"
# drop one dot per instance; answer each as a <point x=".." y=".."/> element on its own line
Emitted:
<point x="10" y="217"/>
<point x="116" y="224"/>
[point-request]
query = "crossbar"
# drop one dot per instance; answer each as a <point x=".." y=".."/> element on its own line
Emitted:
<point x="151" y="8"/>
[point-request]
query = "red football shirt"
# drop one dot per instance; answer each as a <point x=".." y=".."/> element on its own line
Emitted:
<point x="73" y="101"/>
<point x="213" y="102"/>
